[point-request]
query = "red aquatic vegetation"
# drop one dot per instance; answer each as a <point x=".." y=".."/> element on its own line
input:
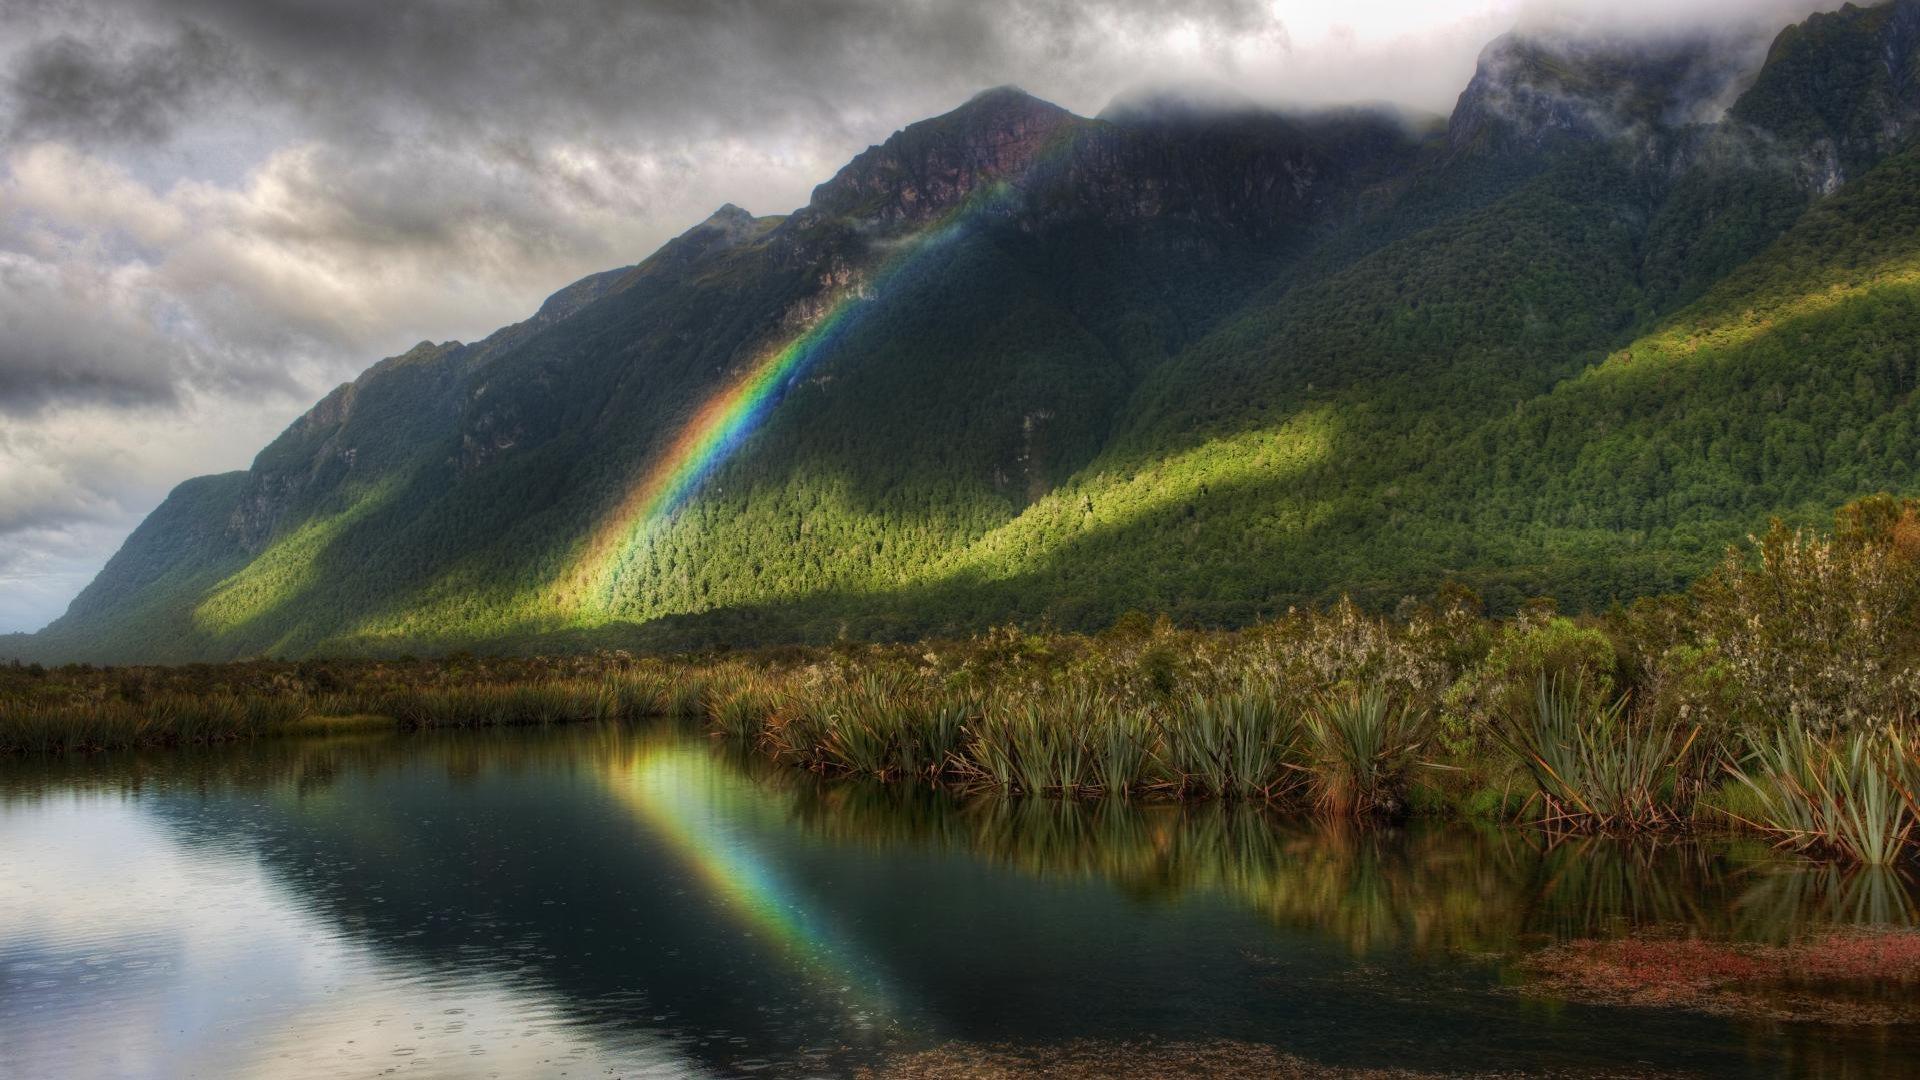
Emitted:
<point x="1124" y="1060"/>
<point x="1840" y="976"/>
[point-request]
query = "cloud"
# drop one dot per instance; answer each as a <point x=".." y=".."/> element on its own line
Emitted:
<point x="1642" y="17"/>
<point x="101" y="89"/>
<point x="211" y="211"/>
<point x="72" y="331"/>
<point x="78" y="477"/>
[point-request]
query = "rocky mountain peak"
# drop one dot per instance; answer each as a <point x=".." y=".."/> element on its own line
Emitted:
<point x="729" y="216"/>
<point x="926" y="168"/>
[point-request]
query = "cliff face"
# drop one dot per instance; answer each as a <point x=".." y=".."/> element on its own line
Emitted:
<point x="1839" y="91"/>
<point x="1200" y="357"/>
<point x="1541" y="92"/>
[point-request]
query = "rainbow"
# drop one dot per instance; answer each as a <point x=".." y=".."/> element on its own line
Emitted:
<point x="681" y="797"/>
<point x="706" y="440"/>
<point x="724" y="421"/>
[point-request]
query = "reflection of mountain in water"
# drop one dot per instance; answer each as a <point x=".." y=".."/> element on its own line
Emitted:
<point x="654" y="881"/>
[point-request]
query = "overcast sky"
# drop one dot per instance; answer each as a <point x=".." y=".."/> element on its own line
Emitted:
<point x="211" y="211"/>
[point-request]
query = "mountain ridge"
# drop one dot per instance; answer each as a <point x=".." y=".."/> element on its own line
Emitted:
<point x="1016" y="364"/>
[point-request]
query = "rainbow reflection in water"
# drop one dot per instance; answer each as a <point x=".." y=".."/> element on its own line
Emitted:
<point x="705" y="815"/>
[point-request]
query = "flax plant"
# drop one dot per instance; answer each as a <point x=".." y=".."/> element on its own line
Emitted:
<point x="1594" y="767"/>
<point x="1361" y="747"/>
<point x="1231" y="746"/>
<point x="1847" y="796"/>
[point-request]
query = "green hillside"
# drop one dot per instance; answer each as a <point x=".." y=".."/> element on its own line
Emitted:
<point x="1015" y="364"/>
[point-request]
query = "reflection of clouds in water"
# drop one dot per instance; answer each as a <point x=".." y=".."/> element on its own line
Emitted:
<point x="125" y="953"/>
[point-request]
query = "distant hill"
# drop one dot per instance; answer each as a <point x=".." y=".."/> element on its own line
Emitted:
<point x="1630" y="300"/>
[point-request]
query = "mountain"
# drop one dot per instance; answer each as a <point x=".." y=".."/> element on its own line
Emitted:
<point x="1630" y="300"/>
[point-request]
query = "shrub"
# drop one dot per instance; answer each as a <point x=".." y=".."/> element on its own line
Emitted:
<point x="1535" y="646"/>
<point x="1820" y="631"/>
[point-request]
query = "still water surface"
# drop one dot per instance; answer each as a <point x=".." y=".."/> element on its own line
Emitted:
<point x="601" y="902"/>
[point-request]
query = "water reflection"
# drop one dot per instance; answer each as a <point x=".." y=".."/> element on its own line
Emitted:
<point x="713" y="819"/>
<point x="128" y="951"/>
<point x="1421" y="888"/>
<point x="650" y="903"/>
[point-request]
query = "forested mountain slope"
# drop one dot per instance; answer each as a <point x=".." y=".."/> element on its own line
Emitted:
<point x="1630" y="300"/>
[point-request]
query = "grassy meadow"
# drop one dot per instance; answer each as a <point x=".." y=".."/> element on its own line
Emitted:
<point x="1778" y="695"/>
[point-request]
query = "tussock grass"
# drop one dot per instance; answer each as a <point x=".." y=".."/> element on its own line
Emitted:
<point x="1050" y="744"/>
<point x="1231" y="746"/>
<point x="878" y="724"/>
<point x="737" y="702"/>
<point x="490" y="705"/>
<point x="163" y="720"/>
<point x="617" y="696"/>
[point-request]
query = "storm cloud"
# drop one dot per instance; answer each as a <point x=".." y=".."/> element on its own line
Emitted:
<point x="213" y="210"/>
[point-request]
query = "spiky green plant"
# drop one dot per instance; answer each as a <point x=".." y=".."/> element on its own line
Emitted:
<point x="798" y="732"/>
<point x="864" y="722"/>
<point x="883" y="724"/>
<point x="741" y="704"/>
<point x="1231" y="746"/>
<point x="1360" y="747"/>
<point x="1050" y="743"/>
<point x="1121" y="742"/>
<point x="637" y="694"/>
<point x="535" y="703"/>
<point x="1594" y="767"/>
<point x="164" y="720"/>
<point x="1845" y="796"/>
<point x="927" y="745"/>
<point x="685" y="694"/>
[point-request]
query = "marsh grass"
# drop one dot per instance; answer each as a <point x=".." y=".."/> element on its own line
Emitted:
<point x="878" y="724"/>
<point x="686" y="695"/>
<point x="1122" y="747"/>
<point x="1039" y="745"/>
<point x="739" y="704"/>
<point x="1594" y="767"/>
<point x="559" y="700"/>
<point x="163" y="720"/>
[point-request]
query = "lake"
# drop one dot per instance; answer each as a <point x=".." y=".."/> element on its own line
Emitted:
<point x="597" y="902"/>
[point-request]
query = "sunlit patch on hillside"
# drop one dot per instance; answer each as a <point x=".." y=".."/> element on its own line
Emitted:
<point x="721" y="424"/>
<point x="718" y="427"/>
<point x="284" y="570"/>
<point x="1854" y="247"/>
<point x="737" y="571"/>
<point x="1107" y="502"/>
<point x="1690" y="340"/>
